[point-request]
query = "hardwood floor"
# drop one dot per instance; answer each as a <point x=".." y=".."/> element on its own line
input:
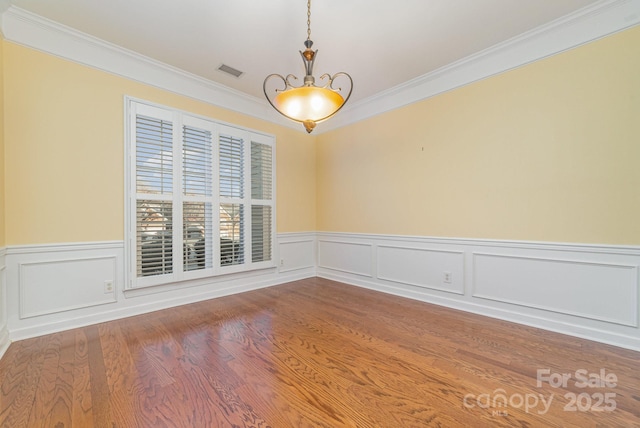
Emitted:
<point x="314" y="353"/>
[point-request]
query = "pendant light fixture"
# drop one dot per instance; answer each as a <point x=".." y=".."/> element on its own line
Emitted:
<point x="308" y="103"/>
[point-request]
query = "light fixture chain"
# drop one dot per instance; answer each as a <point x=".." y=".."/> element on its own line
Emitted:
<point x="308" y="19"/>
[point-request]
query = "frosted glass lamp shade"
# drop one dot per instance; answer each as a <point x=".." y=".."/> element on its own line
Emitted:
<point x="308" y="103"/>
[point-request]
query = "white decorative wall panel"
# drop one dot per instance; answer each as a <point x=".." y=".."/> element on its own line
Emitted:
<point x="422" y="267"/>
<point x="347" y="257"/>
<point x="600" y="291"/>
<point x="60" y="285"/>
<point x="54" y="287"/>
<point x="4" y="332"/>
<point x="297" y="254"/>
<point x="590" y="291"/>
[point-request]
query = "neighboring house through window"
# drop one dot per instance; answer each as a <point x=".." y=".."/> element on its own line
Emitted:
<point x="200" y="197"/>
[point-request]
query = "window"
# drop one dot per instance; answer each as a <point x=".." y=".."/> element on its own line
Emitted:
<point x="200" y="197"/>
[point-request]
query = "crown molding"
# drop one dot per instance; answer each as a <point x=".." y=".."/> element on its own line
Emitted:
<point x="596" y="21"/>
<point x="585" y="25"/>
<point x="31" y="30"/>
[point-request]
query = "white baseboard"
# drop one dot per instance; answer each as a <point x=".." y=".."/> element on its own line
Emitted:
<point x="5" y="341"/>
<point x="58" y="287"/>
<point x="588" y="291"/>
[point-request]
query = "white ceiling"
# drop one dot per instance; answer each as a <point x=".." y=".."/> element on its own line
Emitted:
<point x="381" y="44"/>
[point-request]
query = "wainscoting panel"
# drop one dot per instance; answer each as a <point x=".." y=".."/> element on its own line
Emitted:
<point x="4" y="331"/>
<point x="350" y="257"/>
<point x="589" y="291"/>
<point x="61" y="285"/>
<point x="435" y="269"/>
<point x="56" y="287"/>
<point x="53" y="287"/>
<point x="600" y="291"/>
<point x="297" y="252"/>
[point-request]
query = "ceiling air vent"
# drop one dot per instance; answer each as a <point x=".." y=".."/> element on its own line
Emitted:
<point x="230" y="70"/>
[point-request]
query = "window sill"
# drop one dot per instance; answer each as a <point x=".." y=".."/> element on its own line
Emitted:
<point x="220" y="278"/>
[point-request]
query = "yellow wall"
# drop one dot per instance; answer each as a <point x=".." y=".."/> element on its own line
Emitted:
<point x="547" y="152"/>
<point x="64" y="148"/>
<point x="2" y="209"/>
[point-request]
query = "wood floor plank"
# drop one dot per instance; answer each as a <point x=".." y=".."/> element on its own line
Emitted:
<point x="60" y="415"/>
<point x="312" y="353"/>
<point x="100" y="395"/>
<point x="121" y="361"/>
<point x="20" y="371"/>
<point x="205" y="376"/>
<point x="44" y="399"/>
<point x="81" y="393"/>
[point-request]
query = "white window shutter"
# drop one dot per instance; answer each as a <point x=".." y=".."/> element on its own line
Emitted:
<point x="197" y="189"/>
<point x="232" y="207"/>
<point x="200" y="198"/>
<point x="154" y="188"/>
<point x="261" y="202"/>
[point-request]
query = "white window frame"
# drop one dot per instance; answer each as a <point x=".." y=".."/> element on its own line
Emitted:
<point x="180" y="118"/>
